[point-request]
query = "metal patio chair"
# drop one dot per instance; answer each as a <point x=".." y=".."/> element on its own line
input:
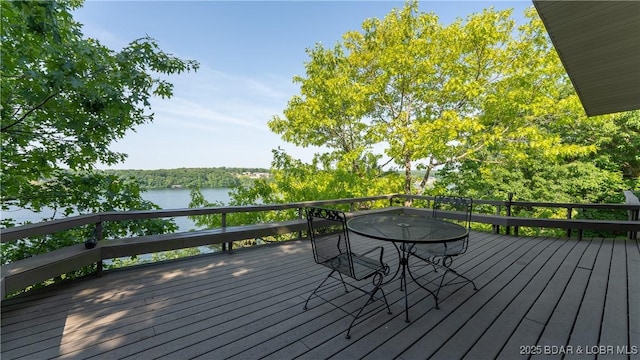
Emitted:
<point x="441" y="255"/>
<point x="331" y="248"/>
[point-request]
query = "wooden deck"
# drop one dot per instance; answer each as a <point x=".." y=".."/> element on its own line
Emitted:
<point x="535" y="296"/>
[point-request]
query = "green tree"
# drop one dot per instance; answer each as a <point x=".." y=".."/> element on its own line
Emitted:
<point x="619" y="144"/>
<point x="65" y="99"/>
<point x="484" y="102"/>
<point x="434" y="96"/>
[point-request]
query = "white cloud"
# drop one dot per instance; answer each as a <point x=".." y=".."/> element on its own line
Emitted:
<point x="181" y="112"/>
<point x="210" y="99"/>
<point x="213" y="119"/>
<point x="216" y="117"/>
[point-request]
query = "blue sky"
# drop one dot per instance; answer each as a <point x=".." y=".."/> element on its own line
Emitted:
<point x="248" y="52"/>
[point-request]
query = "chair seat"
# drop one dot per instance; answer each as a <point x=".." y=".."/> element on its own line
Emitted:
<point x="429" y="250"/>
<point x="363" y="266"/>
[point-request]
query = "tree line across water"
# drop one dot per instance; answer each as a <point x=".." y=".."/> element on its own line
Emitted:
<point x="217" y="177"/>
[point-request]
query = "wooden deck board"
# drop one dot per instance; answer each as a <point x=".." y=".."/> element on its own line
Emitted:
<point x="248" y="305"/>
<point x="633" y="288"/>
<point x="532" y="280"/>
<point x="592" y="304"/>
<point x="548" y="315"/>
<point x="568" y="288"/>
<point x="615" y="332"/>
<point x="394" y="337"/>
<point x="497" y="278"/>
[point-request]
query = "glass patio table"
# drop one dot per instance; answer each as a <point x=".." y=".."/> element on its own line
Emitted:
<point x="404" y="231"/>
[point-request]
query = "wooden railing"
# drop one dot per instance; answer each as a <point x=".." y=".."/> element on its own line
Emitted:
<point x="20" y="274"/>
<point x="502" y="211"/>
<point x="501" y="216"/>
<point x="49" y="227"/>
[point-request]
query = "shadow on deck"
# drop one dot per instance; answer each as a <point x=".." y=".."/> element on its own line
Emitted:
<point x="536" y="295"/>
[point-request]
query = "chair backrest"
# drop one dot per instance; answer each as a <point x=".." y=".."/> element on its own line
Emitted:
<point x="443" y="206"/>
<point x="446" y="204"/>
<point x="330" y="239"/>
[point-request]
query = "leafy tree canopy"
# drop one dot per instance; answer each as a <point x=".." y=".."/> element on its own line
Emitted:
<point x="65" y="99"/>
<point x="485" y="102"/>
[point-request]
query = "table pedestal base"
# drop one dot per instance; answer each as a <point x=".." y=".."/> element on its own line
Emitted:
<point x="403" y="254"/>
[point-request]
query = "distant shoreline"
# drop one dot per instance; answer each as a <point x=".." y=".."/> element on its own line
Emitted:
<point x="188" y="178"/>
<point x="232" y="169"/>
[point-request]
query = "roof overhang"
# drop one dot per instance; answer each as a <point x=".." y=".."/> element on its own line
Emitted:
<point x="599" y="45"/>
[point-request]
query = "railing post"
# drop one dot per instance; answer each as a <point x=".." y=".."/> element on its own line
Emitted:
<point x="569" y="215"/>
<point x="228" y="245"/>
<point x="633" y="215"/>
<point x="300" y="213"/>
<point x="496" y="227"/>
<point x="99" y="236"/>
<point x="510" y="196"/>
<point x="633" y="235"/>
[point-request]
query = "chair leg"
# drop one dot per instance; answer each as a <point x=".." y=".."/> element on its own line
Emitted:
<point x="369" y="300"/>
<point x="319" y="286"/>
<point x="343" y="283"/>
<point x="447" y="270"/>
<point x="441" y="282"/>
<point x="415" y="280"/>
<point x="464" y="277"/>
<point x="377" y="282"/>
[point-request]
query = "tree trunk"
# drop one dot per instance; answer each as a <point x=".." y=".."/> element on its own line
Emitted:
<point x="407" y="179"/>
<point x="425" y="179"/>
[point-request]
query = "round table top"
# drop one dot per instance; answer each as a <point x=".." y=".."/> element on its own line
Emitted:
<point x="406" y="228"/>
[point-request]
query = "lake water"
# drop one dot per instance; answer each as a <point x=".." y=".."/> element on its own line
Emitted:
<point x="165" y="198"/>
<point x="180" y="198"/>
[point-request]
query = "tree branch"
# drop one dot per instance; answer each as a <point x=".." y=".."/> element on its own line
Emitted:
<point x="387" y="163"/>
<point x="24" y="116"/>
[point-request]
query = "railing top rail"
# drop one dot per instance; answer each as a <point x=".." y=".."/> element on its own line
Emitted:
<point x="536" y="204"/>
<point x="48" y="227"/>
